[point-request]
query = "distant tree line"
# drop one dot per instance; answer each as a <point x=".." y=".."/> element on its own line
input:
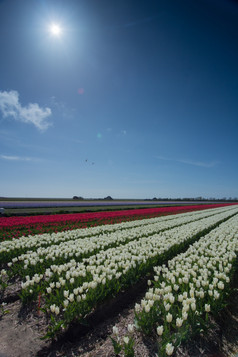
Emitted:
<point x="190" y="199"/>
<point x="108" y="198"/>
<point x="230" y="199"/>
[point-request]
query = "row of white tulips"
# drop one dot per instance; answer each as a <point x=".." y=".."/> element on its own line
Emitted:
<point x="193" y="284"/>
<point x="37" y="261"/>
<point x="169" y="238"/>
<point x="15" y="247"/>
<point x="73" y="289"/>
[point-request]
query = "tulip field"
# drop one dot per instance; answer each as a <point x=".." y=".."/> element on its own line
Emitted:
<point x="189" y="258"/>
<point x="192" y="285"/>
<point x="15" y="227"/>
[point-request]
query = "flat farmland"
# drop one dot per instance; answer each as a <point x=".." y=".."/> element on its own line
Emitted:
<point x="143" y="282"/>
<point x="18" y="206"/>
<point x="16" y="226"/>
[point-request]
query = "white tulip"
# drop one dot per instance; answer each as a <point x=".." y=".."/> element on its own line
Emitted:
<point x="179" y="322"/>
<point x="66" y="303"/>
<point x="115" y="330"/>
<point x="126" y="340"/>
<point x="160" y="330"/>
<point x="130" y="328"/>
<point x="169" y="349"/>
<point x="169" y="317"/>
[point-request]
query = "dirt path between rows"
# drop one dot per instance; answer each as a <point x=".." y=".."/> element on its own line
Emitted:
<point x="21" y="330"/>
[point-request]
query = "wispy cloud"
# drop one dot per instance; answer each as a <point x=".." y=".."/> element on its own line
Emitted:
<point x="17" y="158"/>
<point x="62" y="108"/>
<point x="32" y="113"/>
<point x="200" y="163"/>
<point x="190" y="162"/>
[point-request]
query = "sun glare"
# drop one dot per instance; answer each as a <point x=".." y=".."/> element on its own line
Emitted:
<point x="55" y="30"/>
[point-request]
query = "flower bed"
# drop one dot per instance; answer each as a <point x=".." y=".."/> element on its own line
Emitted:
<point x="14" y="227"/>
<point x="44" y="243"/>
<point x="72" y="289"/>
<point x="193" y="285"/>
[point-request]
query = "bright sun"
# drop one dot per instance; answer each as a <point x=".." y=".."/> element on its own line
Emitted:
<point x="55" y="30"/>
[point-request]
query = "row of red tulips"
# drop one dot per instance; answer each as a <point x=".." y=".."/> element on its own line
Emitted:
<point x="17" y="221"/>
<point x="14" y="227"/>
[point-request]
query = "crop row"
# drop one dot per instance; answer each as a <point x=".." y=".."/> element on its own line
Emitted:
<point x="18" y="226"/>
<point x="33" y="262"/>
<point x="16" y="221"/>
<point x="193" y="285"/>
<point x="58" y="247"/>
<point x="73" y="289"/>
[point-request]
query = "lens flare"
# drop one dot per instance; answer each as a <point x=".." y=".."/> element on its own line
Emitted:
<point x="55" y="30"/>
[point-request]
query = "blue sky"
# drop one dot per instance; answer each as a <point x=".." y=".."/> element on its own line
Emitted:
<point x="134" y="99"/>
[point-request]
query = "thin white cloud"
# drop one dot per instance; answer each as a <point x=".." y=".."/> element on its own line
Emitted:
<point x="17" y="158"/>
<point x="200" y="163"/>
<point x="163" y="158"/>
<point x="62" y="108"/>
<point x="32" y="113"/>
<point x="190" y="162"/>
